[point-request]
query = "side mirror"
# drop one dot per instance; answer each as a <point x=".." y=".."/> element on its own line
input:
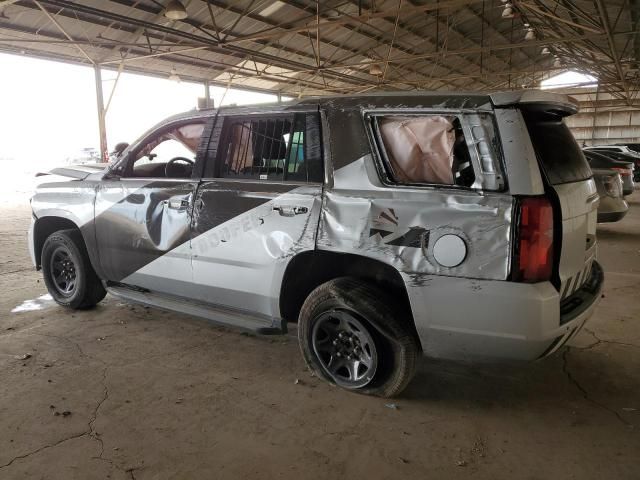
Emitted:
<point x="111" y="175"/>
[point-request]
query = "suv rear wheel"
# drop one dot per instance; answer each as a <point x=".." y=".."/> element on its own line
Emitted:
<point x="350" y="335"/>
<point x="68" y="273"/>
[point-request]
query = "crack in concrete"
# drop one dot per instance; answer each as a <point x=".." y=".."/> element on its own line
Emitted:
<point x="583" y="391"/>
<point x="44" y="447"/>
<point x="68" y="340"/>
<point x="599" y="341"/>
<point x="614" y="342"/>
<point x="91" y="430"/>
<point x="105" y="395"/>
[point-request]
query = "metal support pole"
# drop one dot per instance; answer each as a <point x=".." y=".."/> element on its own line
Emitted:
<point x="104" y="151"/>
<point x="207" y="95"/>
<point x="279" y="97"/>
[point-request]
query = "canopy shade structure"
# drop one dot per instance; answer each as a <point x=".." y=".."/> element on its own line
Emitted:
<point x="302" y="47"/>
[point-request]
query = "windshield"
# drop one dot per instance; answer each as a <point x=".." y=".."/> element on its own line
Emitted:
<point x="556" y="149"/>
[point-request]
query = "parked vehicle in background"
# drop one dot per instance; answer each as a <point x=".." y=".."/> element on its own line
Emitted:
<point x="612" y="206"/>
<point x="387" y="226"/>
<point x="631" y="146"/>
<point x="84" y="156"/>
<point x="610" y="160"/>
<point x="625" y="157"/>
<point x="614" y="148"/>
<point x="630" y="153"/>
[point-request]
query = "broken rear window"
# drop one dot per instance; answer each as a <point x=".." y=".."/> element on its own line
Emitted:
<point x="425" y="149"/>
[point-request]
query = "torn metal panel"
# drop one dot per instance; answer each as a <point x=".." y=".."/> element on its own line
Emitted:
<point x="400" y="227"/>
<point x="520" y="158"/>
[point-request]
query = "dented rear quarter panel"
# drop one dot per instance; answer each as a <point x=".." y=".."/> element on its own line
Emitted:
<point x="399" y="225"/>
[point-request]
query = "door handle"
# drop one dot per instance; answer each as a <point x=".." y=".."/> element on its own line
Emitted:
<point x="290" y="210"/>
<point x="180" y="205"/>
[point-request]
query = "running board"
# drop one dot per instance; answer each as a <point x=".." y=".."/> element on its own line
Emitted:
<point x="219" y="315"/>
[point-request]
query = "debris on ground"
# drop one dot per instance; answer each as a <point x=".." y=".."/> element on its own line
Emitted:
<point x="24" y="356"/>
<point x="461" y="463"/>
<point x="296" y="381"/>
<point x="403" y="460"/>
<point x="478" y="447"/>
<point x="392" y="406"/>
<point x="628" y="409"/>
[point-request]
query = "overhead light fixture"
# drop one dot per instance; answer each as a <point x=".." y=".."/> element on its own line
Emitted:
<point x="375" y="69"/>
<point x="508" y="11"/>
<point x="271" y="9"/>
<point x="530" y="35"/>
<point x="173" y="76"/>
<point x="545" y="51"/>
<point x="175" y="11"/>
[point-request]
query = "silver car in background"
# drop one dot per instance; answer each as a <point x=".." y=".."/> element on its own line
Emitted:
<point x="612" y="206"/>
<point x="619" y="162"/>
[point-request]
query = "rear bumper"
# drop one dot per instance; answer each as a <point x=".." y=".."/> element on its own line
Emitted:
<point x="609" y="217"/>
<point x="499" y="320"/>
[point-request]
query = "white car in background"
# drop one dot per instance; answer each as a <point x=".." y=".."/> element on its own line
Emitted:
<point x="84" y="156"/>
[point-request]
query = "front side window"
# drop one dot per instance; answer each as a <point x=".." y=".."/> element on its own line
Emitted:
<point x="425" y="149"/>
<point x="170" y="153"/>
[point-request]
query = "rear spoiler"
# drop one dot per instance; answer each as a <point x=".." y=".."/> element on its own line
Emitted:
<point x="556" y="103"/>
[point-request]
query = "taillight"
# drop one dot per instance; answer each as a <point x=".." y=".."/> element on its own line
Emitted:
<point x="533" y="260"/>
<point x="624" y="172"/>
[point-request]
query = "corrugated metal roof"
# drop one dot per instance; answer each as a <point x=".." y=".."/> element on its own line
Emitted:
<point x="303" y="47"/>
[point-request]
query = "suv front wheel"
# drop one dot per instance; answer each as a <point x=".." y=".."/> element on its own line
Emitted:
<point x="351" y="335"/>
<point x="68" y="273"/>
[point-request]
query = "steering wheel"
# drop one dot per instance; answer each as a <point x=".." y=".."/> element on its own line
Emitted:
<point x="170" y="163"/>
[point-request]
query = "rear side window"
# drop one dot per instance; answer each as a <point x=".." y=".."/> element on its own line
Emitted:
<point x="424" y="149"/>
<point x="557" y="150"/>
<point x="429" y="149"/>
<point x="276" y="148"/>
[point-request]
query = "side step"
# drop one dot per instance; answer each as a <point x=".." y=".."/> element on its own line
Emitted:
<point x="219" y="315"/>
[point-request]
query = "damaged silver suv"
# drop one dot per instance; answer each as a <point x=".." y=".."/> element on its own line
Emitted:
<point x="386" y="226"/>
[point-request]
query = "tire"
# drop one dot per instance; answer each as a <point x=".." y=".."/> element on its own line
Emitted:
<point x="386" y="350"/>
<point x="68" y="273"/>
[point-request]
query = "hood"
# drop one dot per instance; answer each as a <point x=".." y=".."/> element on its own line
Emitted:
<point x="79" y="172"/>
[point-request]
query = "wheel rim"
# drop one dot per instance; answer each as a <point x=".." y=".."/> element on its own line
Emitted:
<point x="345" y="348"/>
<point x="63" y="271"/>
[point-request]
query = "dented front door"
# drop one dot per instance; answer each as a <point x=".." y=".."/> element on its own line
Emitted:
<point x="244" y="234"/>
<point x="142" y="231"/>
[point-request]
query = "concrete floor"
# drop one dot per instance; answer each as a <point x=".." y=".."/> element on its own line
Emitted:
<point x="130" y="392"/>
